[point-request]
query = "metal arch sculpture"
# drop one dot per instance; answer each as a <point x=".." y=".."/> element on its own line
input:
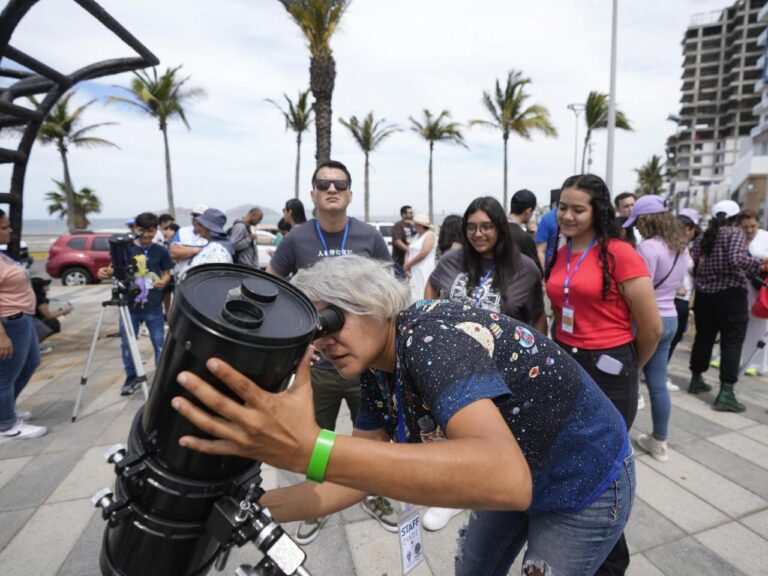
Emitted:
<point x="43" y="79"/>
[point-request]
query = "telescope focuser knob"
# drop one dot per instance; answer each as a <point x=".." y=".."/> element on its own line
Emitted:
<point x="103" y="498"/>
<point x="115" y="454"/>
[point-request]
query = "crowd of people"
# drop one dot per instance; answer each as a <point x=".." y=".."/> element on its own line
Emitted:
<point x="520" y="346"/>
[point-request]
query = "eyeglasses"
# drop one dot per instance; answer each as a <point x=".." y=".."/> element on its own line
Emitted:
<point x="325" y="185"/>
<point x="485" y="228"/>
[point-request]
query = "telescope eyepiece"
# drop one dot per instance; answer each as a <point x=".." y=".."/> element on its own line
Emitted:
<point x="330" y="320"/>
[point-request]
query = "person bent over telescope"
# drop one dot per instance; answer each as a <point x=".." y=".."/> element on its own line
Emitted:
<point x="528" y="441"/>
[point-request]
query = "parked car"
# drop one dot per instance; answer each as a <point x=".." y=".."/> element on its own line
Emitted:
<point x="24" y="258"/>
<point x="385" y="229"/>
<point x="265" y="246"/>
<point x="75" y="258"/>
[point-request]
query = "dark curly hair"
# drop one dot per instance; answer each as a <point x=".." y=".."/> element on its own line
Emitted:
<point x="505" y="252"/>
<point x="603" y="221"/>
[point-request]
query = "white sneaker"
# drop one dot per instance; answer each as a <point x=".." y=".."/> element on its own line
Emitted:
<point x="656" y="448"/>
<point x="672" y="387"/>
<point x="22" y="430"/>
<point x="437" y="518"/>
<point x="640" y="402"/>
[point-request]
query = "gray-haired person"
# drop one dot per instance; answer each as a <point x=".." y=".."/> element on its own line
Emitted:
<point x="461" y="407"/>
<point x="330" y="234"/>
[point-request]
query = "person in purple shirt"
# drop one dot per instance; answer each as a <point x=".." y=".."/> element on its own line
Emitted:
<point x="664" y="251"/>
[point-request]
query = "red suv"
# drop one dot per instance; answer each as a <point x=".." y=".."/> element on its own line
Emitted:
<point x="75" y="258"/>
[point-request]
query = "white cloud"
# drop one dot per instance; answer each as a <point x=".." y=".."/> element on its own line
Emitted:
<point x="394" y="58"/>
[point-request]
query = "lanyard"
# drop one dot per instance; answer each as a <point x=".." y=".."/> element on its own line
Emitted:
<point x="479" y="287"/>
<point x="400" y="409"/>
<point x="568" y="275"/>
<point x="325" y="244"/>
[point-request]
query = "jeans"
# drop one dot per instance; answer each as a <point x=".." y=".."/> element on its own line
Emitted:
<point x="562" y="543"/>
<point x="156" y="326"/>
<point x="656" y="378"/>
<point x="16" y="371"/>
<point x="725" y="312"/>
<point x="682" y="323"/>
<point x="329" y="389"/>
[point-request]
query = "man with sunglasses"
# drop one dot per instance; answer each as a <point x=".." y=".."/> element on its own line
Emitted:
<point x="332" y="233"/>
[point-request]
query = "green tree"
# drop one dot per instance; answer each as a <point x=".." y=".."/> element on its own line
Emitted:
<point x="85" y="202"/>
<point x="298" y="117"/>
<point x="368" y="134"/>
<point x="63" y="128"/>
<point x="511" y="114"/>
<point x="596" y="117"/>
<point x="650" y="176"/>
<point x="318" y="20"/>
<point x="163" y="98"/>
<point x="437" y="129"/>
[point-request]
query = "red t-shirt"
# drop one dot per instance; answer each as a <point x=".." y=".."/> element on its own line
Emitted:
<point x="597" y="323"/>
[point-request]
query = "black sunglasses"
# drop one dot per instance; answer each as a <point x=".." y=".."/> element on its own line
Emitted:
<point x="325" y="185"/>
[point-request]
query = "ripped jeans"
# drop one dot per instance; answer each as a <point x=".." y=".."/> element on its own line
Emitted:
<point x="559" y="543"/>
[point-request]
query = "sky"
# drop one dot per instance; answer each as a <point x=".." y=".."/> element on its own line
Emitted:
<point x="394" y="57"/>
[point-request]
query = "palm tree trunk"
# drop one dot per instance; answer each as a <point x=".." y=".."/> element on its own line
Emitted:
<point x="168" y="178"/>
<point x="431" y="211"/>
<point x="322" y="75"/>
<point x="298" y="166"/>
<point x="584" y="152"/>
<point x="506" y="138"/>
<point x="69" y="191"/>
<point x="367" y="199"/>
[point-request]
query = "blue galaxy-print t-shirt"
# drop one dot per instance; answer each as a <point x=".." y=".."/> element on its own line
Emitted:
<point x="450" y="355"/>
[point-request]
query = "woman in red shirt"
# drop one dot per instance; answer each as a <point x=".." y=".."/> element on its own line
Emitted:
<point x="598" y="286"/>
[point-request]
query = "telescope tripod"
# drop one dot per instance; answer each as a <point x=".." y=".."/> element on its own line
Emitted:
<point x="118" y="300"/>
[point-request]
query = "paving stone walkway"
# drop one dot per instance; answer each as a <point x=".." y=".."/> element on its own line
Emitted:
<point x="705" y="512"/>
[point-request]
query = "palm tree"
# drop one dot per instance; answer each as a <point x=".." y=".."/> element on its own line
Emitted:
<point x="62" y="128"/>
<point x="650" y="176"/>
<point x="368" y="134"/>
<point x="596" y="116"/>
<point x="511" y="115"/>
<point x="298" y="117"/>
<point x="318" y="20"/>
<point x="437" y="129"/>
<point x="162" y="98"/>
<point x="86" y="202"/>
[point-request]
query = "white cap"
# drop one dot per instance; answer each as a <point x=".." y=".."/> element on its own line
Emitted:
<point x="727" y="207"/>
<point x="199" y="209"/>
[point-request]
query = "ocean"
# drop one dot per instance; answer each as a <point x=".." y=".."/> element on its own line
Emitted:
<point x="55" y="226"/>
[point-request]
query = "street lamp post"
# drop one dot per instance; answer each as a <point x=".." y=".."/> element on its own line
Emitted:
<point x="576" y="109"/>
<point x="612" y="100"/>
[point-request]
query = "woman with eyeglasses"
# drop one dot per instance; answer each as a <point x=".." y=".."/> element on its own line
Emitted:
<point x="491" y="274"/>
<point x="599" y="286"/>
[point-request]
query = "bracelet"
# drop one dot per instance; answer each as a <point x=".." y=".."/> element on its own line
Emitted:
<point x="321" y="454"/>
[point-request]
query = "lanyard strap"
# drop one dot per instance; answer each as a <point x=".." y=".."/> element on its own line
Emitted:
<point x="398" y="398"/>
<point x="568" y="275"/>
<point x="325" y="244"/>
<point x="479" y="287"/>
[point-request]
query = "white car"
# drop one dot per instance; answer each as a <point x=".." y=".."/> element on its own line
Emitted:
<point x="265" y="246"/>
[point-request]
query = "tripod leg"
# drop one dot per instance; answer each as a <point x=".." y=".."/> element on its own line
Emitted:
<point x="87" y="369"/>
<point x="133" y="346"/>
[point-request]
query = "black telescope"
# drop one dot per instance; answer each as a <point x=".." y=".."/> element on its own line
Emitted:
<point x="174" y="511"/>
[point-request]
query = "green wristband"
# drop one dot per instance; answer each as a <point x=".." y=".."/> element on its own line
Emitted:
<point x="321" y="454"/>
